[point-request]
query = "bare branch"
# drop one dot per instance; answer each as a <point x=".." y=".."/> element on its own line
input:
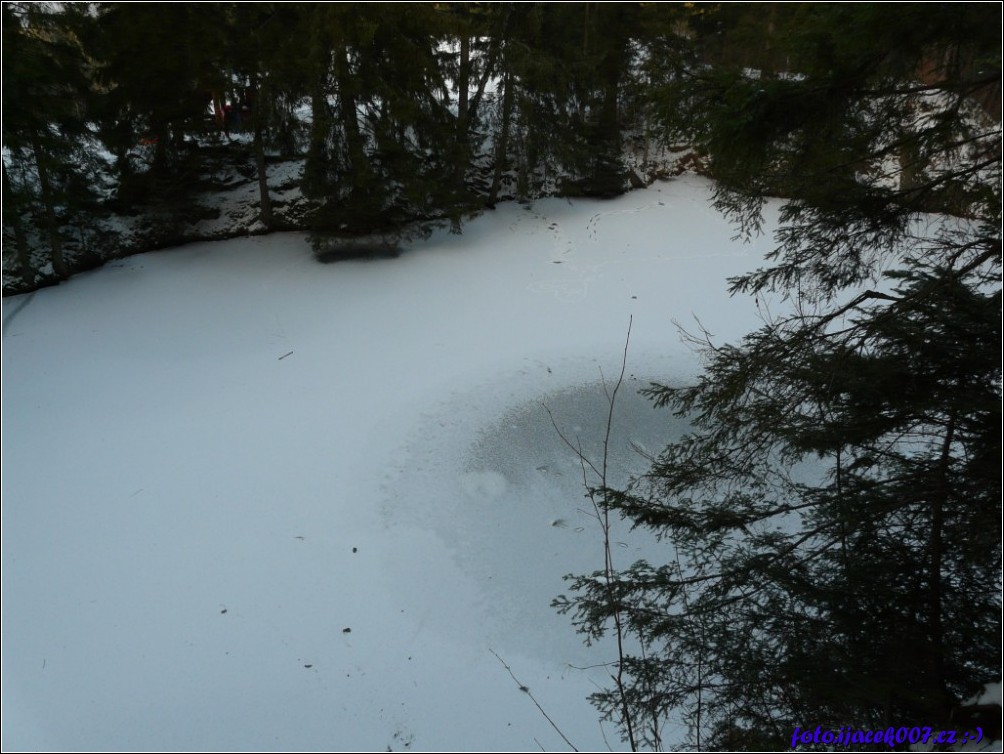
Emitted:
<point x="526" y="690"/>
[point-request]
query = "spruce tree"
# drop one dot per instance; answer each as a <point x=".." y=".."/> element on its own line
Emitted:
<point x="49" y="169"/>
<point x="159" y="65"/>
<point x="384" y="143"/>
<point x="833" y="520"/>
<point x="263" y="52"/>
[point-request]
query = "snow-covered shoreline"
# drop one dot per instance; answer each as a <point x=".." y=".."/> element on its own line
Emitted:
<point x="229" y="208"/>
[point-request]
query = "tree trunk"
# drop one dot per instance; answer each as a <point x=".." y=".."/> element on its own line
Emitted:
<point x="502" y="143"/>
<point x="162" y="134"/>
<point x="463" y="116"/>
<point x="12" y="212"/>
<point x="316" y="170"/>
<point x="48" y="202"/>
<point x="265" y="201"/>
<point x="935" y="558"/>
<point x="358" y="165"/>
<point x="607" y="178"/>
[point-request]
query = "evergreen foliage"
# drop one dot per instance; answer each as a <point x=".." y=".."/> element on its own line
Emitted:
<point x="157" y="65"/>
<point x="833" y="521"/>
<point x="49" y="176"/>
<point x="400" y="112"/>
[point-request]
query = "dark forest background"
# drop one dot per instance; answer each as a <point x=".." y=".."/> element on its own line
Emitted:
<point x="400" y="113"/>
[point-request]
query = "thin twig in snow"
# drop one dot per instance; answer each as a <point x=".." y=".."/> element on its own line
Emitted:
<point x="526" y="690"/>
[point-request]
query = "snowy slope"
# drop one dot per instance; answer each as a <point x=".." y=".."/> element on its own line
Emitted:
<point x="255" y="502"/>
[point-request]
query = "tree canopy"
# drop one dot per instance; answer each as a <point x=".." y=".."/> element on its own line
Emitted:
<point x="833" y="519"/>
<point x="400" y="112"/>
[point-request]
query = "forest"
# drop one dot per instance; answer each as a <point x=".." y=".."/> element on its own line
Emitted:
<point x="865" y="594"/>
<point x="399" y="112"/>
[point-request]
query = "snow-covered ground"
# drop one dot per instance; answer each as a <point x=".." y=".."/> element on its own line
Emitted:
<point x="255" y="502"/>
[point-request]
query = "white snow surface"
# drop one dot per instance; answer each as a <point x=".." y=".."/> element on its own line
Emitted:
<point x="254" y="502"/>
